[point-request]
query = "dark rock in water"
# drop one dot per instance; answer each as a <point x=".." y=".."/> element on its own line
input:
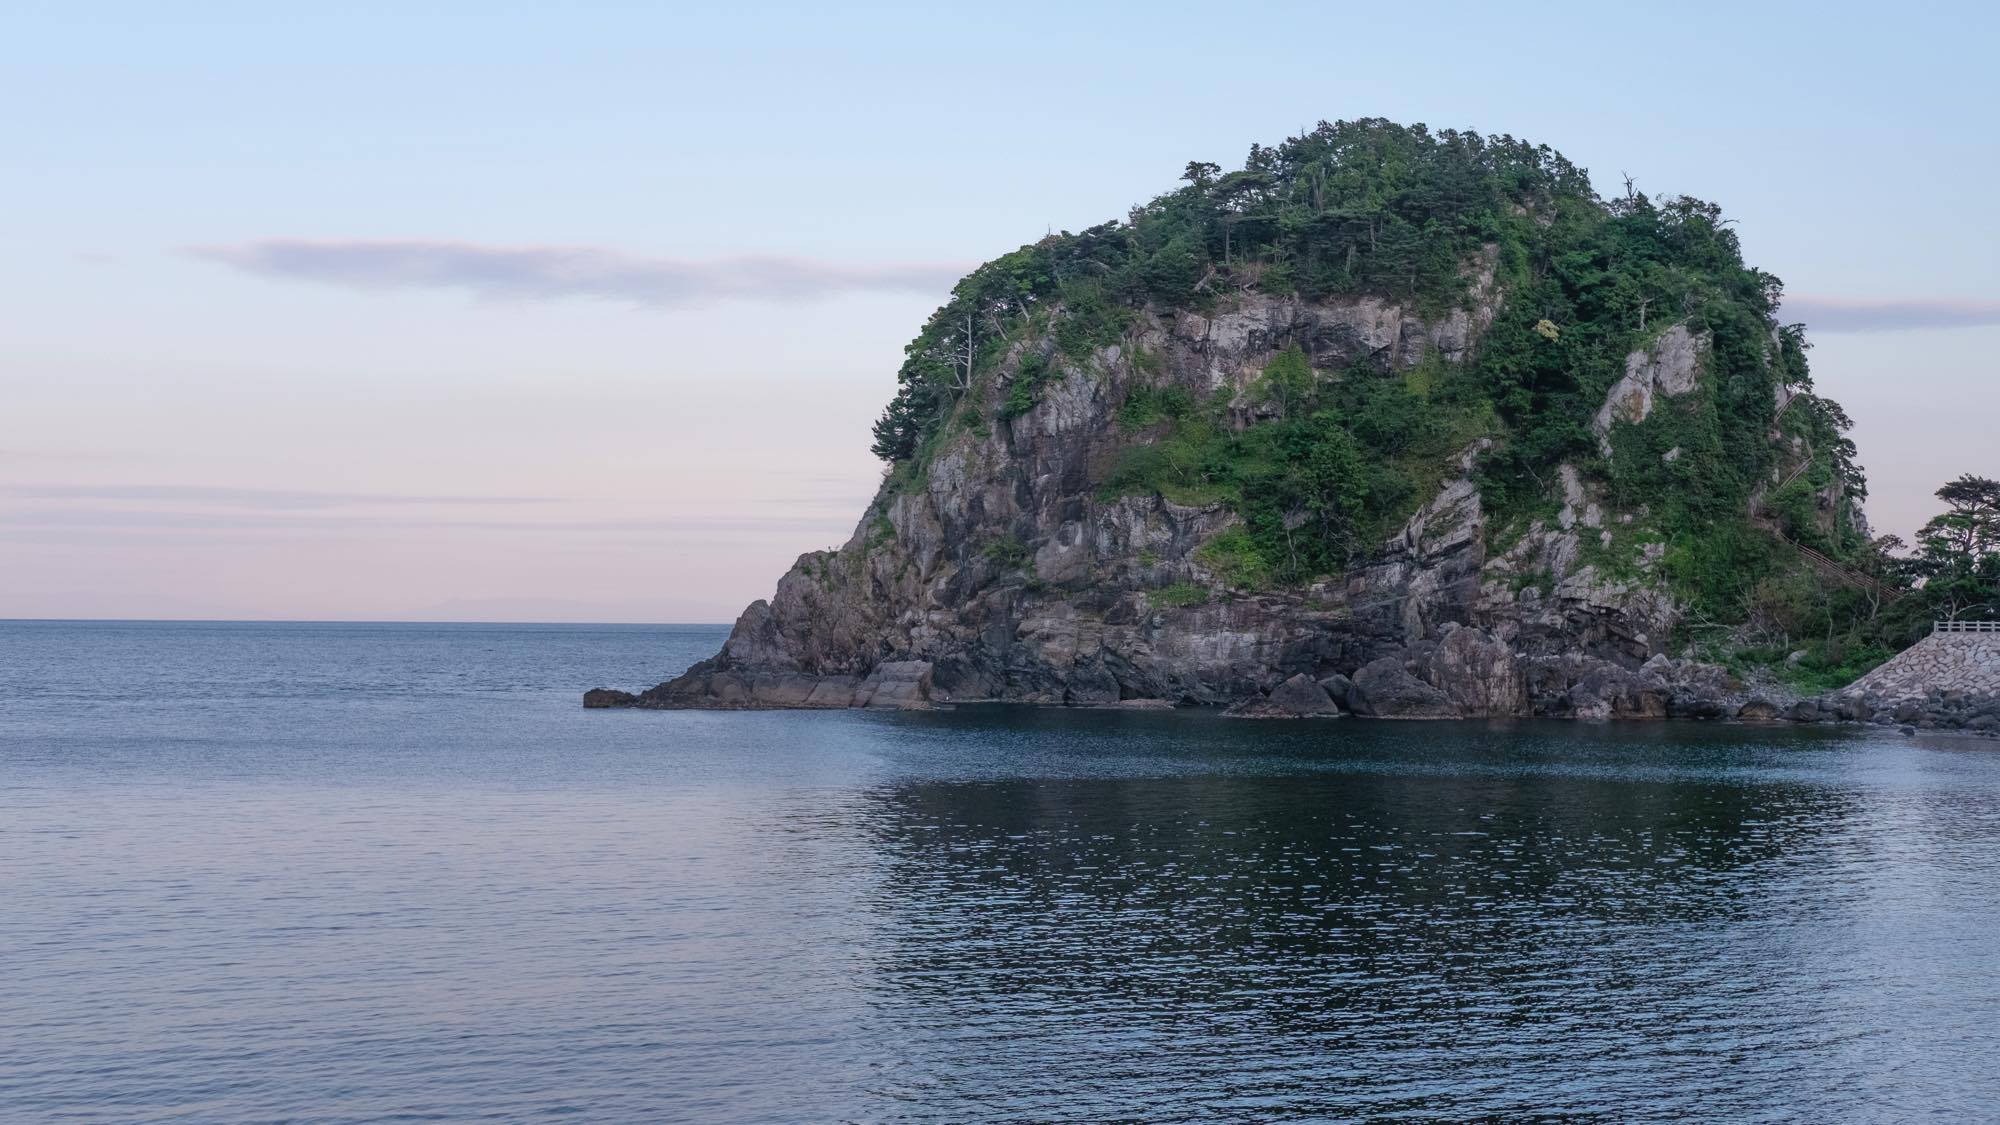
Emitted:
<point x="1703" y="691"/>
<point x="1805" y="711"/>
<point x="904" y="684"/>
<point x="1698" y="707"/>
<point x="1091" y="684"/>
<point x="1601" y="690"/>
<point x="1300" y="697"/>
<point x="1477" y="672"/>
<point x="1758" y="709"/>
<point x="1385" y="689"/>
<point x="608" y="697"/>
<point x="1339" y="688"/>
<point x="1138" y="705"/>
<point x="1645" y="701"/>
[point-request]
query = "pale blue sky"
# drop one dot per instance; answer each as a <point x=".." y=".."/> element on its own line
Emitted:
<point x="204" y="420"/>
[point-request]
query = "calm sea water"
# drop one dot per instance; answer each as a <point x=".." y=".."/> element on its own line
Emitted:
<point x="344" y="873"/>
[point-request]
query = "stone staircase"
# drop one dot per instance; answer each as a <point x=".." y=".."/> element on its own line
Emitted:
<point x="1826" y="568"/>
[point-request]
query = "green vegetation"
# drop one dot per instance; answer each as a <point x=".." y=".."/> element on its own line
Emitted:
<point x="1031" y="374"/>
<point x="1821" y="633"/>
<point x="1149" y="406"/>
<point x="1234" y="557"/>
<point x="1181" y="595"/>
<point x="1008" y="553"/>
<point x="1288" y="381"/>
<point x="1958" y="552"/>
<point x="881" y="532"/>
<point x="1342" y="465"/>
<point x="1370" y="206"/>
<point x="1320" y="465"/>
<point x="1816" y="667"/>
<point x="1360" y="206"/>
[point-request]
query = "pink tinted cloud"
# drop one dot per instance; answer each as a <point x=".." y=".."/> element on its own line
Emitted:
<point x="1860" y="314"/>
<point x="547" y="272"/>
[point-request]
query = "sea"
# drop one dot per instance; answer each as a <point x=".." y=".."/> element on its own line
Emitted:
<point x="396" y="873"/>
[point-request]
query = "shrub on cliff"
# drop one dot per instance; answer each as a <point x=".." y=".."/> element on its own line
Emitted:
<point x="1353" y="206"/>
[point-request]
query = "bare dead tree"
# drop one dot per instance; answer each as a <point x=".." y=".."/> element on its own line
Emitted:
<point x="962" y="356"/>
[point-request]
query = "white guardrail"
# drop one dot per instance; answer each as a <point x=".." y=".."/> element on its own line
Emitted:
<point x="1965" y="626"/>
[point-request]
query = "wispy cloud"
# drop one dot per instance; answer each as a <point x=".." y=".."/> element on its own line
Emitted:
<point x="548" y="272"/>
<point x="1854" y="314"/>
<point x="135" y="508"/>
<point x="274" y="499"/>
<point x="134" y="520"/>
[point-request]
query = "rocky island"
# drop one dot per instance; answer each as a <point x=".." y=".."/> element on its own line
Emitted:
<point x="1393" y="422"/>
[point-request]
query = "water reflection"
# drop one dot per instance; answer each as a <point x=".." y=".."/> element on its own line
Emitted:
<point x="1350" y="943"/>
<point x="333" y="873"/>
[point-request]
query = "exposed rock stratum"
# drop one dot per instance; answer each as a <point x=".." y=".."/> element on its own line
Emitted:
<point x="1006" y="573"/>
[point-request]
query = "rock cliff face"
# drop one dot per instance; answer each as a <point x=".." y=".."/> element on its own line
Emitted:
<point x="1666" y="370"/>
<point x="1006" y="570"/>
<point x="1390" y="421"/>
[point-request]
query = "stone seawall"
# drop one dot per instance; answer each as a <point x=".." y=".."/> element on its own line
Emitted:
<point x="1944" y="663"/>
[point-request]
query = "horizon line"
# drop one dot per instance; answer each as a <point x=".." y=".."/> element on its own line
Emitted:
<point x="344" y="621"/>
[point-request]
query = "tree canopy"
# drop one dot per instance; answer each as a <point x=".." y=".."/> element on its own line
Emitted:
<point x="1351" y="206"/>
<point x="1957" y="556"/>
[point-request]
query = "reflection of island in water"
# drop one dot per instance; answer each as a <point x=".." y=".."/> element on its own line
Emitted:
<point x="1363" y="939"/>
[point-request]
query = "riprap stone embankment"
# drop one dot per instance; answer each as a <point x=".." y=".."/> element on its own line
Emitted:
<point x="1949" y="680"/>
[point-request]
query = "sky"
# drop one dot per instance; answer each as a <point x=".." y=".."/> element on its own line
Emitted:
<point x="581" y="312"/>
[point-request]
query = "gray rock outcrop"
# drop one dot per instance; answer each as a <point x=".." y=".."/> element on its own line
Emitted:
<point x="1004" y="571"/>
<point x="1666" y="369"/>
<point x="1300" y="697"/>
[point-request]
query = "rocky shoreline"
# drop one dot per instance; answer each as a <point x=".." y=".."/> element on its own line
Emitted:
<point x="1337" y="696"/>
<point x="1006" y="571"/>
<point x="1464" y="673"/>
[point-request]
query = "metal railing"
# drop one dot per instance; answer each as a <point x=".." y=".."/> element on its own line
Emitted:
<point x="1837" y="571"/>
<point x="1793" y="475"/>
<point x="1965" y="626"/>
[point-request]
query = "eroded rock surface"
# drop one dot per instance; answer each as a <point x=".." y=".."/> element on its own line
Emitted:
<point x="1300" y="697"/>
<point x="1008" y="573"/>
<point x="1666" y="369"/>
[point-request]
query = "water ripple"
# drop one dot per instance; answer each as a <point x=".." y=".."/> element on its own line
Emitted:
<point x="402" y="895"/>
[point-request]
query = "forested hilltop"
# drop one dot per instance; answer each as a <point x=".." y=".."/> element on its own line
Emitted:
<point x="1389" y="420"/>
<point x="1399" y="212"/>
